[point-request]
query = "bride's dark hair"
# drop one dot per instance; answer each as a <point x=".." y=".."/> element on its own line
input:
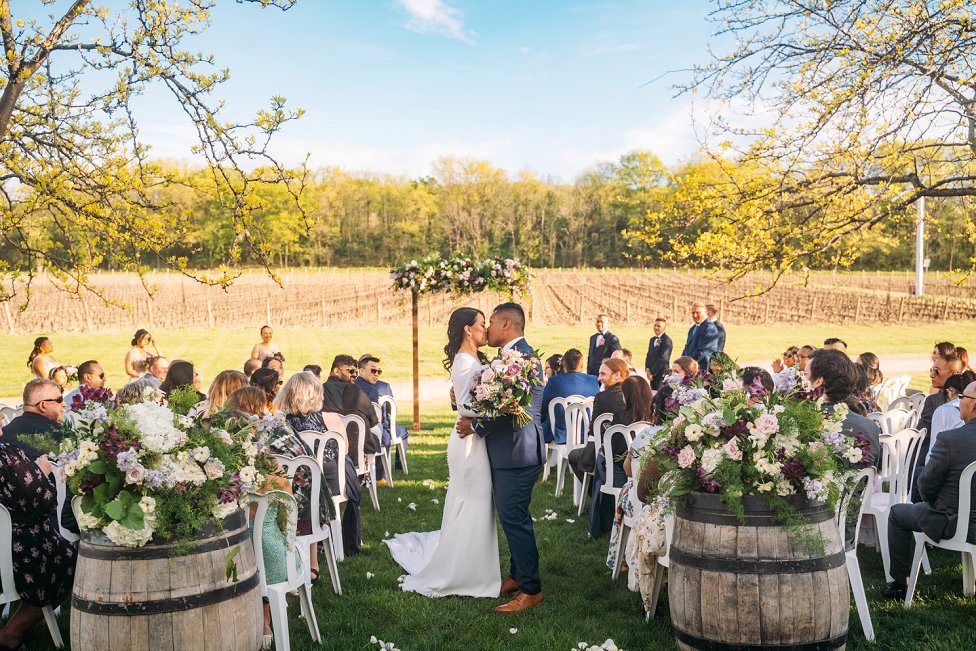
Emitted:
<point x="461" y="317"/>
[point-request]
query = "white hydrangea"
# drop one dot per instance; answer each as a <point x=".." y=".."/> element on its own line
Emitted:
<point x="710" y="459"/>
<point x="148" y="505"/>
<point x="221" y="511"/>
<point x="87" y="522"/>
<point x="126" y="537"/>
<point x="154" y="423"/>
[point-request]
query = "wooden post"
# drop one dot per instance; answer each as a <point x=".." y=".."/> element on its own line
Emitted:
<point x="416" y="362"/>
<point x="88" y="322"/>
<point x="901" y="308"/>
<point x="674" y="309"/>
<point x="945" y="310"/>
<point x="857" y="311"/>
<point x="429" y="320"/>
<point x="628" y="311"/>
<point x="766" y="318"/>
<point x="149" y="312"/>
<point x="10" y="319"/>
<point x="379" y="311"/>
<point x="813" y="308"/>
<point x="210" y="319"/>
<point x="324" y="314"/>
<point x="581" y="308"/>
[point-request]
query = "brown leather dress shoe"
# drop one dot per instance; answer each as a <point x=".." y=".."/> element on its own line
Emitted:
<point x="509" y="586"/>
<point x="521" y="602"/>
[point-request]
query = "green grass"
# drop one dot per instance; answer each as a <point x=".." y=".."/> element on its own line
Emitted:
<point x="582" y="604"/>
<point x="215" y="350"/>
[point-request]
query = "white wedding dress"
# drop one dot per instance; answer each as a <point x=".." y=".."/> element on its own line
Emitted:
<point x="461" y="558"/>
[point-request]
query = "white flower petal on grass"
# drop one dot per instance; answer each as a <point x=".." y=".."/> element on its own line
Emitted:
<point x="513" y="631"/>
<point x="369" y="575"/>
<point x="387" y="534"/>
<point x="581" y="645"/>
<point x="401" y="578"/>
<point x="399" y="499"/>
<point x="412" y="506"/>
<point x="570" y="520"/>
<point x="372" y="639"/>
<point x="436" y="501"/>
<point x="609" y="645"/>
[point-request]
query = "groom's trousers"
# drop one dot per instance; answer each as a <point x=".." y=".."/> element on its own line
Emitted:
<point x="512" y="489"/>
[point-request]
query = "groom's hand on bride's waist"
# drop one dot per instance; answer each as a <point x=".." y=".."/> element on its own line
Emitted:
<point x="464" y="427"/>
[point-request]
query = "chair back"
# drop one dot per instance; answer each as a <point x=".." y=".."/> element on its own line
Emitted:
<point x="388" y="404"/>
<point x="856" y="495"/>
<point x="897" y="419"/>
<point x="880" y="421"/>
<point x="317" y="441"/>
<point x="665" y="559"/>
<point x="360" y="424"/>
<point x="291" y="466"/>
<point x="903" y="402"/>
<point x="965" y="504"/>
<point x="577" y="417"/>
<point x="8" y="591"/>
<point x="295" y="576"/>
<point x="899" y="453"/>
<point x="7" y="414"/>
<point x="918" y="401"/>
<point x="628" y="432"/>
<point x="62" y="493"/>
<point x="564" y="402"/>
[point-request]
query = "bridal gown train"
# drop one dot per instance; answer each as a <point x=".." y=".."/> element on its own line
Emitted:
<point x="461" y="558"/>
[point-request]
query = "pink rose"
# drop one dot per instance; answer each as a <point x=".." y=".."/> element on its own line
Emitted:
<point x="767" y="424"/>
<point x="482" y="392"/>
<point x="487" y="376"/>
<point x="686" y="457"/>
<point x="732" y="450"/>
<point x="135" y="475"/>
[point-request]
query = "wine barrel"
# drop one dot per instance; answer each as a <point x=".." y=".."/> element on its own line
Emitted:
<point x="735" y="585"/>
<point x="160" y="597"/>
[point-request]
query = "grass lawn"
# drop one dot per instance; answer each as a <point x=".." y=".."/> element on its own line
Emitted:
<point x="215" y="350"/>
<point x="582" y="604"/>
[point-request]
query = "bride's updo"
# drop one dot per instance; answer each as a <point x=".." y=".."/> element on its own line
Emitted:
<point x="460" y="318"/>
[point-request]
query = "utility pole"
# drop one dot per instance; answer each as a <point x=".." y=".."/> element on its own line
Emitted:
<point x="920" y="248"/>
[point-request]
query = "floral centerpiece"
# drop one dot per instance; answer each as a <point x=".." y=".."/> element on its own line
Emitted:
<point x="459" y="274"/>
<point x="505" y="386"/>
<point x="742" y="440"/>
<point x="145" y="469"/>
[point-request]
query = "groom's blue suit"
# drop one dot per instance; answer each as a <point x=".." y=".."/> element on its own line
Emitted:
<point x="516" y="458"/>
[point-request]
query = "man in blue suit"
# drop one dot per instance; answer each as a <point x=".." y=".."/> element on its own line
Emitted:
<point x="516" y="457"/>
<point x="702" y="340"/>
<point x="713" y="315"/>
<point x="574" y="382"/>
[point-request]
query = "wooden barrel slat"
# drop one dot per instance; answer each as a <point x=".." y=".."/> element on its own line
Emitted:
<point x="148" y="598"/>
<point x="747" y="585"/>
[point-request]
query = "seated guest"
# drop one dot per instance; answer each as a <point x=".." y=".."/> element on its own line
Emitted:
<point x="250" y="366"/>
<point x="749" y="375"/>
<point x="158" y="368"/>
<point x="837" y="374"/>
<point x="180" y="374"/>
<point x="833" y="343"/>
<point x="268" y="380"/>
<point x="947" y="416"/>
<point x="90" y="374"/>
<point x="226" y="383"/>
<point x="872" y="368"/>
<point x="276" y="362"/>
<point x="683" y="369"/>
<point x="314" y="369"/>
<point x="43" y="412"/>
<point x="554" y="365"/>
<point x="943" y="349"/>
<point x="345" y="398"/>
<point x="942" y="369"/>
<point x="938" y="486"/>
<point x="132" y="392"/>
<point x="789" y="359"/>
<point x="369" y="382"/>
<point x="574" y="382"/>
<point x="627" y="357"/>
<point x="863" y="395"/>
<point x="43" y="561"/>
<point x="60" y="375"/>
<point x="963" y="356"/>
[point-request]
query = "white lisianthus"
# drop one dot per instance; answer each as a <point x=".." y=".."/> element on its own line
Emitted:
<point x="201" y="454"/>
<point x="710" y="459"/>
<point x="713" y="422"/>
<point x="694" y="432"/>
<point x="248" y="474"/>
<point x="148" y="505"/>
<point x="183" y="421"/>
<point x="154" y="423"/>
<point x="854" y="454"/>
<point x="224" y="436"/>
<point x="126" y="537"/>
<point x="250" y="449"/>
<point x="221" y="511"/>
<point x="767" y="467"/>
<point x="790" y="444"/>
<point x="765" y="487"/>
<point x="841" y="410"/>
<point x="87" y="522"/>
<point x="214" y="468"/>
<point x="784" y="487"/>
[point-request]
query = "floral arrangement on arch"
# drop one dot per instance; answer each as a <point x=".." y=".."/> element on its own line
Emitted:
<point x="740" y="441"/>
<point x="458" y="274"/>
<point x="144" y="469"/>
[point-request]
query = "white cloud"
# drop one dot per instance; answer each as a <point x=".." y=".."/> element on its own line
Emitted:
<point x="436" y="17"/>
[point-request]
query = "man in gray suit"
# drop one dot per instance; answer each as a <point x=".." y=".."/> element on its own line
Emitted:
<point x="939" y="487"/>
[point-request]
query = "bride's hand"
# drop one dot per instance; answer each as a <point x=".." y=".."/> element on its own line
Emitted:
<point x="464" y="427"/>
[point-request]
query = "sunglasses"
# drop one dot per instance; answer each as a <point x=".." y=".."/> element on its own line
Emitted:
<point x="59" y="399"/>
<point x="936" y="370"/>
<point x="352" y="371"/>
<point x="376" y="371"/>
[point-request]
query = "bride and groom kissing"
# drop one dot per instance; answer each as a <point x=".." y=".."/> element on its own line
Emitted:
<point x="493" y="465"/>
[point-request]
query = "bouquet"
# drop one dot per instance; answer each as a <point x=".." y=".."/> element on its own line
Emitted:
<point x="505" y="386"/>
<point x="142" y="468"/>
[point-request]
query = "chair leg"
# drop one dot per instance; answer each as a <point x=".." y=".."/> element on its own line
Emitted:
<point x="584" y="491"/>
<point x="967" y="574"/>
<point x="916" y="565"/>
<point x="387" y="457"/>
<point x="560" y="477"/>
<point x="372" y="486"/>
<point x="860" y="599"/>
<point x="279" y="620"/>
<point x="305" y="596"/>
<point x="52" y="626"/>
<point x="621" y="550"/>
<point x="926" y="566"/>
<point x="659" y="571"/>
<point x="330" y="559"/>
<point x="336" y="538"/>
<point x="881" y="526"/>
<point x="402" y="453"/>
<point x="545" y="468"/>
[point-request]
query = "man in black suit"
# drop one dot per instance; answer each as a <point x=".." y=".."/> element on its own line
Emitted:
<point x="343" y="397"/>
<point x="939" y="487"/>
<point x="602" y="345"/>
<point x="712" y="312"/>
<point x="942" y="369"/>
<point x="659" y="349"/>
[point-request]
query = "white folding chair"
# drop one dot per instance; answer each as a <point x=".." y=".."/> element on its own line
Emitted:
<point x="9" y="594"/>
<point x="850" y="500"/>
<point x="601" y="421"/>
<point x="317" y="441"/>
<point x="918" y="401"/>
<point x="573" y="421"/>
<point x="362" y="468"/>
<point x="62" y="493"/>
<point x="7" y="414"/>
<point x="899" y="454"/>
<point x="628" y="432"/>
<point x="556" y="453"/>
<point x="958" y="542"/>
<point x="627" y="523"/>
<point x="663" y="562"/>
<point x="903" y="402"/>
<point x="897" y="419"/>
<point x="385" y="451"/>
<point x="388" y="404"/>
<point x="276" y="593"/>
<point x="879" y="420"/>
<point x="321" y="532"/>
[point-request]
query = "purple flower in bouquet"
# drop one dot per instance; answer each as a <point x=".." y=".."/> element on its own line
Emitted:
<point x="709" y="485"/>
<point x="756" y="388"/>
<point x="794" y="470"/>
<point x="738" y="428"/>
<point x="114" y="443"/>
<point x="671" y="403"/>
<point x="228" y="495"/>
<point x="154" y="479"/>
<point x="862" y="441"/>
<point x="87" y="393"/>
<point x="88" y="485"/>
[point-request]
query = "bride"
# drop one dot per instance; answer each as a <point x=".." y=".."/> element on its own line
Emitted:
<point x="461" y="558"/>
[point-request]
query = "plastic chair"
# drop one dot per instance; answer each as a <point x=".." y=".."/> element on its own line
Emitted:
<point x="385" y="453"/>
<point x="598" y="427"/>
<point x="628" y="432"/>
<point x="361" y="462"/>
<point x="276" y="593"/>
<point x="317" y="441"/>
<point x="388" y="404"/>
<point x="319" y="532"/>
<point x="627" y="523"/>
<point x="880" y="421"/>
<point x="918" y="401"/>
<point x="899" y="454"/>
<point x="8" y="590"/>
<point x="904" y="402"/>
<point x="62" y="493"/>
<point x="557" y="453"/>
<point x="663" y="563"/>
<point x="958" y="542"/>
<point x="897" y="419"/>
<point x="865" y="477"/>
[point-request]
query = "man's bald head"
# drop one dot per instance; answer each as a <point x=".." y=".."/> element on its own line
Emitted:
<point x="967" y="402"/>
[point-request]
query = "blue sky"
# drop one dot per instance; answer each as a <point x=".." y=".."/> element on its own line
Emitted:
<point x="390" y="85"/>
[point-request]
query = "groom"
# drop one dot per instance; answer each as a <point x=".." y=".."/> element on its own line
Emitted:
<point x="516" y="457"/>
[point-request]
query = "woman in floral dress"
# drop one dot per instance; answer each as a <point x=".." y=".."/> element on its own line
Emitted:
<point x="44" y="562"/>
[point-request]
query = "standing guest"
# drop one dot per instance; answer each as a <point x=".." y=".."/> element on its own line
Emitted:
<point x="942" y="369"/>
<point x="943" y="349"/>
<point x="713" y="316"/>
<point x="40" y="360"/>
<point x="138" y="358"/>
<point x="574" y="382"/>
<point x="345" y="398"/>
<point x="43" y="561"/>
<point x="872" y="368"/>
<point x="369" y="382"/>
<point x="602" y="345"/>
<point x="226" y="383"/>
<point x="250" y="366"/>
<point x="180" y="374"/>
<point x="947" y="416"/>
<point x="277" y="363"/>
<point x="314" y="369"/>
<point x="60" y="375"/>
<point x="627" y="357"/>
<point x="156" y="375"/>
<point x="837" y="374"/>
<point x="609" y="401"/>
<point x="938" y="485"/>
<point x="268" y="381"/>
<point x="264" y="348"/>
<point x="702" y="340"/>
<point x="90" y="374"/>
<point x="789" y="359"/>
<point x="658" y="357"/>
<point x="835" y="344"/>
<point x="554" y="365"/>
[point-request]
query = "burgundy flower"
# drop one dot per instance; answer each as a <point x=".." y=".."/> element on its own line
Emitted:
<point x="794" y="469"/>
<point x="708" y="484"/>
<point x="671" y="403"/>
<point x="672" y="452"/>
<point x="87" y="486"/>
<point x="86" y="392"/>
<point x="738" y="428"/>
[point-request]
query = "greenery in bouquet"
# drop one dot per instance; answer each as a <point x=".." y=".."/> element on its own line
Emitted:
<point x="459" y="274"/>
<point x="505" y="386"/>
<point x="143" y="469"/>
<point x="741" y="440"/>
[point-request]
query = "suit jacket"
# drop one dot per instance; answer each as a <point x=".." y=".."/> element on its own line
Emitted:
<point x="658" y="359"/>
<point x="939" y="482"/>
<point x="855" y="423"/>
<point x="720" y="328"/>
<point x="510" y="448"/>
<point x="345" y="398"/>
<point x="702" y="343"/>
<point x="610" y="400"/>
<point x="562" y="386"/>
<point x="599" y="353"/>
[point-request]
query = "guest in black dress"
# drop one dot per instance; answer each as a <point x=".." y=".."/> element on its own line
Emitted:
<point x="44" y="562"/>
